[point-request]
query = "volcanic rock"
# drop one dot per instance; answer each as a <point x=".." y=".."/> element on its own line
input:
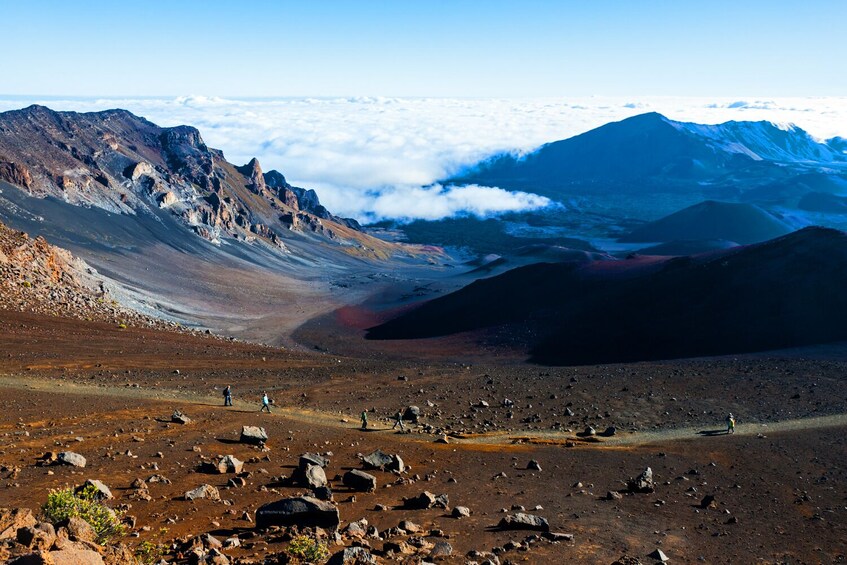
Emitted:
<point x="12" y="519"/>
<point x="643" y="483"/>
<point x="384" y="461"/>
<point x="101" y="491"/>
<point x="253" y="435"/>
<point x="522" y="521"/>
<point x="70" y="458"/>
<point x="303" y="511"/>
<point x="359" y="480"/>
<point x="203" y="491"/>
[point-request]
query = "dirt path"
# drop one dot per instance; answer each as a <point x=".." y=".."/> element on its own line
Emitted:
<point x="341" y="420"/>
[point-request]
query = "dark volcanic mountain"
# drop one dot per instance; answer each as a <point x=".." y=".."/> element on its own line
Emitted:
<point x="651" y="152"/>
<point x="729" y="221"/>
<point x="781" y="293"/>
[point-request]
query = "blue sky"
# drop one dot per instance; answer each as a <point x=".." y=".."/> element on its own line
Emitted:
<point x="424" y="48"/>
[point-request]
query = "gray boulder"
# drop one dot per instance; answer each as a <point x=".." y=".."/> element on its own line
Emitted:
<point x="359" y="480"/>
<point x="313" y="459"/>
<point x="253" y="435"/>
<point x="70" y="458"/>
<point x="643" y="483"/>
<point x="229" y="464"/>
<point x="203" y="491"/>
<point x="314" y="477"/>
<point x="384" y="461"/>
<point x="179" y="418"/>
<point x="304" y="511"/>
<point x="426" y="500"/>
<point x="441" y="549"/>
<point x="412" y="414"/>
<point x="522" y="521"/>
<point x="101" y="491"/>
<point x="352" y="556"/>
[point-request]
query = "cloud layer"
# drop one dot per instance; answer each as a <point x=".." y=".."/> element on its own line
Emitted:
<point x="375" y="158"/>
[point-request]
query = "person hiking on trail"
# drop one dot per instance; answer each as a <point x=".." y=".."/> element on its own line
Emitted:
<point x="730" y="424"/>
<point x="228" y="396"/>
<point x="364" y="419"/>
<point x="266" y="403"/>
<point x="398" y="421"/>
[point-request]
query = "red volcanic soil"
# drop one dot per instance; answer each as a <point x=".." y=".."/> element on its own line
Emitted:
<point x="778" y="483"/>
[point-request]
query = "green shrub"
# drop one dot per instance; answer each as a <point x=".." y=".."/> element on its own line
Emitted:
<point x="149" y="552"/>
<point x="122" y="326"/>
<point x="310" y="550"/>
<point x="26" y="284"/>
<point x="64" y="503"/>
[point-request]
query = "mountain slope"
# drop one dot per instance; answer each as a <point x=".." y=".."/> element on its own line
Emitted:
<point x="781" y="293"/>
<point x="180" y="232"/>
<point x="124" y="164"/>
<point x="652" y="151"/>
<point x="741" y="223"/>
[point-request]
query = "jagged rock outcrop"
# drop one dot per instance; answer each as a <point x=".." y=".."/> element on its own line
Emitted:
<point x="125" y="164"/>
<point x="41" y="278"/>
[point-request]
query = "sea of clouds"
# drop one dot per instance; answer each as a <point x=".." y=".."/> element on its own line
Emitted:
<point x="382" y="158"/>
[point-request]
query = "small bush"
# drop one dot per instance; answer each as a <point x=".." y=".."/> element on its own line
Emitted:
<point x="64" y="503"/>
<point x="149" y="552"/>
<point x="26" y="284"/>
<point x="305" y="548"/>
<point x="122" y="326"/>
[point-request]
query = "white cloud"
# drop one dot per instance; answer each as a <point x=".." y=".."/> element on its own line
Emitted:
<point x="368" y="157"/>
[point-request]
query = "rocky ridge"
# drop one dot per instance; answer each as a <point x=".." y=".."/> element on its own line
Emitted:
<point x="40" y="278"/>
<point x="124" y="164"/>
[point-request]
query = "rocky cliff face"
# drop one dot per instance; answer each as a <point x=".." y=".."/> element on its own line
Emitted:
<point x="125" y="164"/>
<point x="40" y="278"/>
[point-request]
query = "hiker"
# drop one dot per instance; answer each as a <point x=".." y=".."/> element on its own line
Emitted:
<point x="730" y="424"/>
<point x="228" y="396"/>
<point x="364" y="419"/>
<point x="398" y="421"/>
<point x="266" y="403"/>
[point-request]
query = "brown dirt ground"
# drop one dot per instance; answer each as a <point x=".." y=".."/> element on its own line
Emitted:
<point x="63" y="379"/>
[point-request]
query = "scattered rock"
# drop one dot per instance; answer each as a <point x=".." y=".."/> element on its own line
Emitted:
<point x="441" y="549"/>
<point x="179" y="418"/>
<point x="229" y="464"/>
<point x="13" y="519"/>
<point x="384" y="462"/>
<point x="359" y="481"/>
<point x="304" y="511"/>
<point x="312" y="459"/>
<point x="709" y="502"/>
<point x="101" y="491"/>
<point x="79" y="529"/>
<point x="352" y="556"/>
<point x="659" y="555"/>
<point x="312" y="477"/>
<point x="522" y="521"/>
<point x="461" y="512"/>
<point x="323" y="493"/>
<point x="412" y="414"/>
<point x="70" y="458"/>
<point x="203" y="491"/>
<point x="643" y="483"/>
<point x="533" y="465"/>
<point x="426" y="500"/>
<point x="253" y="435"/>
<point x="40" y="536"/>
